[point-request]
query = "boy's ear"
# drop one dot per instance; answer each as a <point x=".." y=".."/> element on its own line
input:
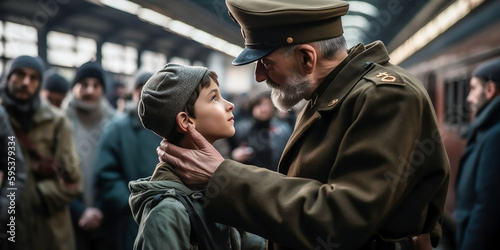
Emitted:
<point x="182" y="119"/>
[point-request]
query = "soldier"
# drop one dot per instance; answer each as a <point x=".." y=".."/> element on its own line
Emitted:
<point x="365" y="167"/>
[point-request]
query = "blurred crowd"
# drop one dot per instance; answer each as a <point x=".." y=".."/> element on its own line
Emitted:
<point x="79" y="141"/>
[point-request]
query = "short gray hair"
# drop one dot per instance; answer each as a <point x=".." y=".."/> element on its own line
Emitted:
<point x="328" y="47"/>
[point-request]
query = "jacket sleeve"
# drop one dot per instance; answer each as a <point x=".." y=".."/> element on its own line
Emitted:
<point x="110" y="181"/>
<point x="366" y="183"/>
<point x="484" y="222"/>
<point x="167" y="226"/>
<point x="57" y="192"/>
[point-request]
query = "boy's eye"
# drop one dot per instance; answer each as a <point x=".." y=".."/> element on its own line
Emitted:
<point x="214" y="98"/>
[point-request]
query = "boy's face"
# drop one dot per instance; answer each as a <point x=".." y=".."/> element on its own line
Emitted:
<point x="214" y="115"/>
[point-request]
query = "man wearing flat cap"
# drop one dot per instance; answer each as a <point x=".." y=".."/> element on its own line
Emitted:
<point x="365" y="167"/>
<point x="53" y="177"/>
<point x="478" y="199"/>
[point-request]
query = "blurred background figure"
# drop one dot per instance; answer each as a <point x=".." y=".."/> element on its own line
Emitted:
<point x="477" y="185"/>
<point x="260" y="136"/>
<point x="127" y="151"/>
<point x="53" y="180"/>
<point x="89" y="112"/>
<point x="118" y="95"/>
<point x="54" y="89"/>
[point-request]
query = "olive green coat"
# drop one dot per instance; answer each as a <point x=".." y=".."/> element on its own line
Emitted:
<point x="42" y="214"/>
<point x="365" y="158"/>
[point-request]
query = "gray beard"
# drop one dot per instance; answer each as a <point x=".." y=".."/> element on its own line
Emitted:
<point x="291" y="92"/>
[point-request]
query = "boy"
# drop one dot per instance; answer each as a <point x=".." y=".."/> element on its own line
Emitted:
<point x="173" y="99"/>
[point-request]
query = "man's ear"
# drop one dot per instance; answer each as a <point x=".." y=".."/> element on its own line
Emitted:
<point x="308" y="57"/>
<point x="182" y="120"/>
<point x="491" y="90"/>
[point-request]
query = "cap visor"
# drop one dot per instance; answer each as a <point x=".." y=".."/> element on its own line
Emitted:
<point x="251" y="55"/>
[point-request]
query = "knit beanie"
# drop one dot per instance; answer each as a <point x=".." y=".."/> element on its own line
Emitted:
<point x="56" y="83"/>
<point x="142" y="78"/>
<point x="28" y="62"/>
<point x="489" y="71"/>
<point x="90" y="69"/>
<point x="166" y="94"/>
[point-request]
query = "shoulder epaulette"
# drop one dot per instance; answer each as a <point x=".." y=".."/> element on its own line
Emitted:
<point x="382" y="75"/>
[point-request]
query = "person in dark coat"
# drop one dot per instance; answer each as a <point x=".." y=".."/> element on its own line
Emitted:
<point x="365" y="167"/>
<point x="261" y="136"/>
<point x="477" y="197"/>
<point x="126" y="152"/>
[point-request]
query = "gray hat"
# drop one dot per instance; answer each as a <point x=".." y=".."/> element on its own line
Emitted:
<point x="269" y="24"/>
<point x="34" y="63"/>
<point x="166" y="94"/>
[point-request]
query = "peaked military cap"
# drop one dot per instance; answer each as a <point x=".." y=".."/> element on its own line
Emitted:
<point x="269" y="24"/>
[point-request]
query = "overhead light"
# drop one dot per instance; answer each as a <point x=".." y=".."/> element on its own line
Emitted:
<point x="201" y="37"/>
<point x="122" y="5"/>
<point x="180" y="28"/>
<point x="153" y="17"/>
<point x="175" y="26"/>
<point x="433" y="29"/>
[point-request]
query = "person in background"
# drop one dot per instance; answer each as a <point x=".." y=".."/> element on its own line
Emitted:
<point x="477" y="185"/>
<point x="52" y="166"/>
<point x="54" y="89"/>
<point x="365" y="167"/>
<point x="126" y="152"/>
<point x="12" y="179"/>
<point x="89" y="113"/>
<point x="261" y="137"/>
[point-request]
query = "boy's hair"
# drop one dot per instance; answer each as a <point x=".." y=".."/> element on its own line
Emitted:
<point x="174" y="136"/>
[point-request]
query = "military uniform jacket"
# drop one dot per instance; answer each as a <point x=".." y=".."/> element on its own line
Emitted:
<point x="366" y="158"/>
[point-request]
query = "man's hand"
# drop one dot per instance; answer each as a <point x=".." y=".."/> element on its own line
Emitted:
<point x="194" y="167"/>
<point x="90" y="219"/>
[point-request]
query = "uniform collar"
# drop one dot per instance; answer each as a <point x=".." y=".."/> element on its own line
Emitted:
<point x="342" y="79"/>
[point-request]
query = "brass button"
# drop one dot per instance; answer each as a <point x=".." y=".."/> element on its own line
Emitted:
<point x="333" y="102"/>
<point x="289" y="39"/>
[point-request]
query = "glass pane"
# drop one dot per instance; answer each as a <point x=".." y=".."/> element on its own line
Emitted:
<point x="86" y="44"/>
<point x="63" y="57"/>
<point x="14" y="31"/>
<point x="60" y="40"/>
<point x="152" y="61"/>
<point x="17" y="48"/>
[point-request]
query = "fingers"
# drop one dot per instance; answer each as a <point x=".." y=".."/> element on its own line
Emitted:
<point x="168" y="153"/>
<point x="197" y="138"/>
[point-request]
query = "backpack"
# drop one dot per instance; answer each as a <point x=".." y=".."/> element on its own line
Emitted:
<point x="205" y="233"/>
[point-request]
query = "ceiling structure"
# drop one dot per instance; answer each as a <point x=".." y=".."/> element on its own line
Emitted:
<point x="390" y="21"/>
